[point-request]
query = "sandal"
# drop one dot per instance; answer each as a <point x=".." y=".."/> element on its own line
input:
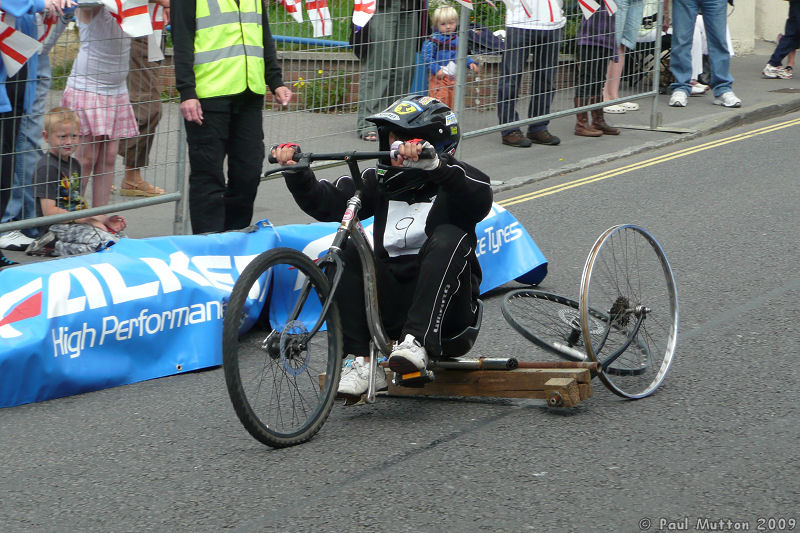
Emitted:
<point x="140" y="189"/>
<point x="630" y="106"/>
<point x="370" y="136"/>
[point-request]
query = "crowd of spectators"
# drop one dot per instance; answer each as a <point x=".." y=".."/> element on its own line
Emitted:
<point x="119" y="108"/>
<point x="96" y="91"/>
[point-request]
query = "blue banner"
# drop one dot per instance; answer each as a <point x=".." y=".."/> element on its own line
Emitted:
<point x="147" y="308"/>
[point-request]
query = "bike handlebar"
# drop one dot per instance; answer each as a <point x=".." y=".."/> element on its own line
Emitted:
<point x="304" y="160"/>
<point x="427" y="153"/>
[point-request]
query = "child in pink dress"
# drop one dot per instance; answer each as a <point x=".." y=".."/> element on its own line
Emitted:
<point x="97" y="91"/>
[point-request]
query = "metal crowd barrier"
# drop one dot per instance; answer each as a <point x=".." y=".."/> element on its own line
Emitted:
<point x="326" y="77"/>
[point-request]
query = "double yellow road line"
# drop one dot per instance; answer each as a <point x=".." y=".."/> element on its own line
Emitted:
<point x="648" y="162"/>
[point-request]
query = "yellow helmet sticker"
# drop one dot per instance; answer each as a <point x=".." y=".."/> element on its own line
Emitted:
<point x="405" y="107"/>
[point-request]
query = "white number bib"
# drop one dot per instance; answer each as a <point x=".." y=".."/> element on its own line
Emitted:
<point x="405" y="227"/>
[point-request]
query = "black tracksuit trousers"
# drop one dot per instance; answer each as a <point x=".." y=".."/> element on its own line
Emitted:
<point x="431" y="299"/>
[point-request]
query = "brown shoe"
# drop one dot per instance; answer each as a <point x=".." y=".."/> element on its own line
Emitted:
<point x="515" y="138"/>
<point x="543" y="137"/>
<point x="599" y="122"/>
<point x="584" y="129"/>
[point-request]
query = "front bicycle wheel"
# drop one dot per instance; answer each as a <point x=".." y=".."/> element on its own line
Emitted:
<point x="628" y="278"/>
<point x="281" y="370"/>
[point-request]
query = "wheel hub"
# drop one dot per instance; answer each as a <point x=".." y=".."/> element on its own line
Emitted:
<point x="293" y="350"/>
<point x="618" y="311"/>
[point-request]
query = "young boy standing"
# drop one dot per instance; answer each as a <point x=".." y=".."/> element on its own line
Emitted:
<point x="425" y="211"/>
<point x="439" y="54"/>
<point x="57" y="181"/>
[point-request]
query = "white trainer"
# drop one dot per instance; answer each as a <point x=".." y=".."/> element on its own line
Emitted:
<point x="698" y="89"/>
<point x="408" y="356"/>
<point x="771" y="72"/>
<point x="679" y="98"/>
<point x="355" y="378"/>
<point x="15" y="240"/>
<point x="728" y="99"/>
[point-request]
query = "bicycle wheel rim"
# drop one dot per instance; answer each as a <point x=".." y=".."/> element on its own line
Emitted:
<point x="273" y="378"/>
<point x="627" y="269"/>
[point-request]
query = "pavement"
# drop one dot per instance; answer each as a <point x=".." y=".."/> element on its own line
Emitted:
<point x="512" y="167"/>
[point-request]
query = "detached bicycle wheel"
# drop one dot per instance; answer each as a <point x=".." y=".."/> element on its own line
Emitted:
<point x="549" y="321"/>
<point x="628" y="281"/>
<point x="281" y="369"/>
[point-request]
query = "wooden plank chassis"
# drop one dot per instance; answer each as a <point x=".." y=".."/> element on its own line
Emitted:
<point x="559" y="387"/>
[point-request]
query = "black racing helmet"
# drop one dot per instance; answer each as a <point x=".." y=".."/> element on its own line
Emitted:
<point x="419" y="117"/>
<point x="414" y="117"/>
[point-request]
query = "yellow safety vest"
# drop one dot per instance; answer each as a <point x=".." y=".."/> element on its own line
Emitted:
<point x="228" y="48"/>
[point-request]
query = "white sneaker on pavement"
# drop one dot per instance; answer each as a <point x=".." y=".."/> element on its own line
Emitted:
<point x="355" y="378"/>
<point x="772" y="73"/>
<point x="679" y="98"/>
<point x="408" y="356"/>
<point x="728" y="99"/>
<point x="15" y="241"/>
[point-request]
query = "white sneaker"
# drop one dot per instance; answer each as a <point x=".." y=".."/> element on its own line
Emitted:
<point x="408" y="356"/>
<point x="698" y="89"/>
<point x="679" y="98"/>
<point x="772" y="73"/>
<point x="728" y="99"/>
<point x="355" y="378"/>
<point x="15" y="240"/>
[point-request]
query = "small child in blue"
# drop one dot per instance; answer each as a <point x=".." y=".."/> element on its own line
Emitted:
<point x="439" y="54"/>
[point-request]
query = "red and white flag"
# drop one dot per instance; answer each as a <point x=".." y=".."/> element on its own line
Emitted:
<point x="588" y="7"/>
<point x="362" y="12"/>
<point x="154" y="51"/>
<point x="320" y="17"/>
<point x="131" y="15"/>
<point x="465" y="3"/>
<point x="15" y="47"/>
<point x="47" y="26"/>
<point x="611" y="6"/>
<point x="294" y="8"/>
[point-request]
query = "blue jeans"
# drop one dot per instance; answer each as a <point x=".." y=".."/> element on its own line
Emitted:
<point x="520" y="43"/>
<point x="684" y="14"/>
<point x="28" y="147"/>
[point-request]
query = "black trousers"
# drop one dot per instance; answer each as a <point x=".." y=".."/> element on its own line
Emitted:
<point x="9" y="129"/>
<point x="432" y="300"/>
<point x="592" y="66"/>
<point x="231" y="127"/>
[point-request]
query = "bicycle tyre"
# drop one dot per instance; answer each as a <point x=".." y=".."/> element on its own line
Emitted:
<point x="628" y="270"/>
<point x="547" y="320"/>
<point x="274" y="378"/>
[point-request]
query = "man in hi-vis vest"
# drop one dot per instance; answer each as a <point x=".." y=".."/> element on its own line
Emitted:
<point x="224" y="61"/>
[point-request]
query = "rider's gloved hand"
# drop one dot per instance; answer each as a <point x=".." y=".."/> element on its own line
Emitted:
<point x="408" y="153"/>
<point x="284" y="153"/>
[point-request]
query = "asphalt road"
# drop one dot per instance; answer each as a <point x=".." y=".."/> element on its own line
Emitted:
<point x="718" y="441"/>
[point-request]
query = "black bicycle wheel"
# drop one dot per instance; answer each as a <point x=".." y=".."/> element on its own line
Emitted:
<point x="281" y="380"/>
<point x="549" y="321"/>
